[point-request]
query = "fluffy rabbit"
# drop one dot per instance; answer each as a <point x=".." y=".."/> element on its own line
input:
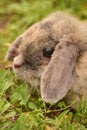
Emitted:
<point x="52" y="54"/>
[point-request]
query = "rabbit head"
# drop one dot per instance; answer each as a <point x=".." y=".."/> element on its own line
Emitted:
<point x="48" y="53"/>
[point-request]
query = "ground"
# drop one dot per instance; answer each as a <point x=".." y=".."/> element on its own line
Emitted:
<point x="21" y="109"/>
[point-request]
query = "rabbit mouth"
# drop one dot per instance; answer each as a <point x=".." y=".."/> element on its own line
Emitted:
<point x="28" y="75"/>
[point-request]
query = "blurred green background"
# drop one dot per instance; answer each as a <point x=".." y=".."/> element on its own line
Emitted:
<point x="17" y="15"/>
<point x="20" y="109"/>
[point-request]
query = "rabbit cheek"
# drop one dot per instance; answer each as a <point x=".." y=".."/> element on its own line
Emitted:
<point x="24" y="71"/>
<point x="28" y="76"/>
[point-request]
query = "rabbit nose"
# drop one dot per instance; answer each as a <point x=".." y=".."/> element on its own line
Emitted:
<point x="18" y="61"/>
<point x="16" y="66"/>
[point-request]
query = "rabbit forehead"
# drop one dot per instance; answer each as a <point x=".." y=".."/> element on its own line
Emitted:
<point x="42" y="36"/>
<point x="33" y="52"/>
<point x="42" y="31"/>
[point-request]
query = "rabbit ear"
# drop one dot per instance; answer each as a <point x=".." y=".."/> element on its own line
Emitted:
<point x="13" y="49"/>
<point x="60" y="74"/>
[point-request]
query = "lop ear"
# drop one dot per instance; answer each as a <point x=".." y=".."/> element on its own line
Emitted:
<point x="23" y="38"/>
<point x="13" y="49"/>
<point x="60" y="74"/>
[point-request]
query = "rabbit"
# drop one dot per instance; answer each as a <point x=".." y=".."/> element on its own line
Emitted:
<point x="52" y="54"/>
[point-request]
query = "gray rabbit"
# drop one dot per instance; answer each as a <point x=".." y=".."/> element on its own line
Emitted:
<point x="52" y="54"/>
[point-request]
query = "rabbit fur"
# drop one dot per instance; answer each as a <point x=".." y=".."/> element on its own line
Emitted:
<point x="63" y="75"/>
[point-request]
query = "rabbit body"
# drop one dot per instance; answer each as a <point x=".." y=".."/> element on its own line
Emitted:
<point x="52" y="54"/>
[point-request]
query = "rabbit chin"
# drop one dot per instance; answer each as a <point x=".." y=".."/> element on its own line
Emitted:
<point x="29" y="76"/>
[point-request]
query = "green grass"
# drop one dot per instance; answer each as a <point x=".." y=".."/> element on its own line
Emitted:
<point x="21" y="108"/>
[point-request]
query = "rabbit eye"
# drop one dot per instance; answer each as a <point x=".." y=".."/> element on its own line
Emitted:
<point x="47" y="52"/>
